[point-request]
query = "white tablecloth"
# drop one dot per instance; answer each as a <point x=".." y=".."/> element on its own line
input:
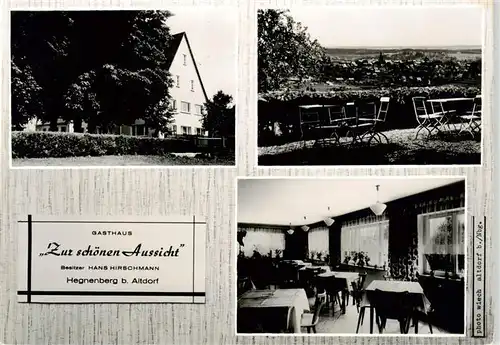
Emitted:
<point x="295" y="298"/>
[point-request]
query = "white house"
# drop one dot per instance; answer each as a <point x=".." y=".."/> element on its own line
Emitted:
<point x="187" y="94"/>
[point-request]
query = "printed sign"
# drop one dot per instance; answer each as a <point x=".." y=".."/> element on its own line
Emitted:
<point x="478" y="282"/>
<point x="111" y="260"/>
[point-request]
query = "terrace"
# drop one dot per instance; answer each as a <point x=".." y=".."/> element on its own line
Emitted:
<point x="433" y="125"/>
<point x="393" y="263"/>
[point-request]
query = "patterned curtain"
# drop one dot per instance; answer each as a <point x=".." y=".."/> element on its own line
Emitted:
<point x="319" y="240"/>
<point x="371" y="238"/>
<point x="263" y="240"/>
<point x="403" y="231"/>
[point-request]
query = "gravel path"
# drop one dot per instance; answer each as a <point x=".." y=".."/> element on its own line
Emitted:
<point x="449" y="147"/>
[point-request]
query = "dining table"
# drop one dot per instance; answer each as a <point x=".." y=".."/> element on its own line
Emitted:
<point x="413" y="288"/>
<point x="441" y="104"/>
<point x="296" y="299"/>
<point x="346" y="279"/>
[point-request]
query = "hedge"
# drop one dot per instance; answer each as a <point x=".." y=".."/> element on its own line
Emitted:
<point x="56" y="144"/>
<point x="281" y="107"/>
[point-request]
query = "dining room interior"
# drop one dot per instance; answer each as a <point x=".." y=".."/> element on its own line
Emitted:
<point x="376" y="255"/>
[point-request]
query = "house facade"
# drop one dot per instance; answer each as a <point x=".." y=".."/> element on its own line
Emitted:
<point x="187" y="94"/>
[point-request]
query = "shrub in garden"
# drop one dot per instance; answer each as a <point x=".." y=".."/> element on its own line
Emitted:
<point x="281" y="107"/>
<point x="54" y="144"/>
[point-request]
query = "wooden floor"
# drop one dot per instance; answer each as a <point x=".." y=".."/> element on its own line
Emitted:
<point x="332" y="321"/>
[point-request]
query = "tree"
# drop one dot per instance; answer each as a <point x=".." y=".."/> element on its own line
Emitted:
<point x="285" y="50"/>
<point x="105" y="67"/>
<point x="25" y="92"/>
<point x="219" y="116"/>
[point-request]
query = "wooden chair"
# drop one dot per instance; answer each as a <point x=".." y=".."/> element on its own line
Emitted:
<point x="363" y="304"/>
<point x="334" y="290"/>
<point x="394" y="306"/>
<point x="245" y="284"/>
<point x="310" y="320"/>
<point x="420" y="315"/>
<point x="357" y="290"/>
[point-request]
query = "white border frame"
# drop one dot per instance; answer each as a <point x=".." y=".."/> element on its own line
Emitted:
<point x="235" y="94"/>
<point x="407" y="336"/>
<point x="483" y="83"/>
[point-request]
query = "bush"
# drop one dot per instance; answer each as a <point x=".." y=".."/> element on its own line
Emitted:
<point x="281" y="107"/>
<point x="54" y="144"/>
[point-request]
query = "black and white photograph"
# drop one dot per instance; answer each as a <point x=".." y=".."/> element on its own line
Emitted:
<point x="347" y="256"/>
<point x="123" y="87"/>
<point x="363" y="85"/>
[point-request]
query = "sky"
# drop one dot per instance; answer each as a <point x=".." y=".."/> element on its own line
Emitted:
<point x="212" y="34"/>
<point x="285" y="201"/>
<point x="392" y="27"/>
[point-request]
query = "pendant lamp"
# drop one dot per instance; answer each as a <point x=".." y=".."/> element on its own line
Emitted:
<point x="378" y="208"/>
<point x="328" y="221"/>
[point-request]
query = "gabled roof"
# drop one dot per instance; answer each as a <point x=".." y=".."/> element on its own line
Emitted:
<point x="174" y="46"/>
<point x="175" y="43"/>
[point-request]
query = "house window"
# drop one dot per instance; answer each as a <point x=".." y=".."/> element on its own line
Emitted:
<point x="441" y="239"/>
<point x="192" y="85"/>
<point x="318" y="242"/>
<point x="186" y="130"/>
<point x="177" y="81"/>
<point x="139" y="130"/>
<point x="370" y="238"/>
<point x="197" y="109"/>
<point x="174" y="104"/>
<point x="63" y="128"/>
<point x="199" y="131"/>
<point x="184" y="57"/>
<point x="185" y="107"/>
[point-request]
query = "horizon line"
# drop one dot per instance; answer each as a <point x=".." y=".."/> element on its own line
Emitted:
<point x="472" y="46"/>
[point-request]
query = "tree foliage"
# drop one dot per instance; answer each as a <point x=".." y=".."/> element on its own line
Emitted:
<point x="104" y="67"/>
<point x="219" y="116"/>
<point x="285" y="50"/>
<point x="25" y="96"/>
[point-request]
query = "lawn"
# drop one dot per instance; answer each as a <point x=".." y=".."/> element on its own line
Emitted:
<point x="127" y="160"/>
<point x="402" y="149"/>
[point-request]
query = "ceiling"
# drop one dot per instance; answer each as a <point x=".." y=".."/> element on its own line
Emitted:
<point x="284" y="201"/>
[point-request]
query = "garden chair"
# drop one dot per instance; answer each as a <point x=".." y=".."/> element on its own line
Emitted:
<point x="334" y="123"/>
<point x="426" y="121"/>
<point x="363" y="115"/>
<point x="471" y="122"/>
<point x="379" y="120"/>
<point x="369" y="120"/>
<point x="309" y="120"/>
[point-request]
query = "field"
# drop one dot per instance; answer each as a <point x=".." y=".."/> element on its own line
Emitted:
<point x="461" y="53"/>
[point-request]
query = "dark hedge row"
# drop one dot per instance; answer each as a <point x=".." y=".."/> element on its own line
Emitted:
<point x="281" y="107"/>
<point x="53" y="144"/>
